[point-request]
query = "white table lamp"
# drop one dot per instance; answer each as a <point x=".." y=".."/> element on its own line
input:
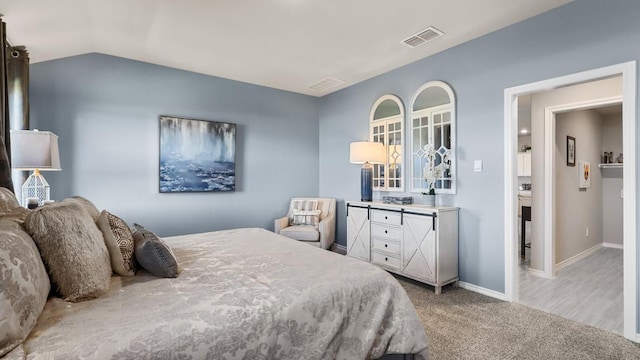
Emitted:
<point x="38" y="151"/>
<point x="366" y="153"/>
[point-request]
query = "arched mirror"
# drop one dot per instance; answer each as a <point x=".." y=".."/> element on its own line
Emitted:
<point x="386" y="127"/>
<point x="433" y="142"/>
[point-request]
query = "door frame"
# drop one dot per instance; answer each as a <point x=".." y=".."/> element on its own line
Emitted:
<point x="628" y="72"/>
<point x="550" y="172"/>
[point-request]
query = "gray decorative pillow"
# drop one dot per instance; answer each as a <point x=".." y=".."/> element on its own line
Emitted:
<point x="153" y="254"/>
<point x="72" y="248"/>
<point x="86" y="204"/>
<point x="119" y="241"/>
<point x="24" y="285"/>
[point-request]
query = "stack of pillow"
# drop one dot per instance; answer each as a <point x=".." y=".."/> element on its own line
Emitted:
<point x="79" y="248"/>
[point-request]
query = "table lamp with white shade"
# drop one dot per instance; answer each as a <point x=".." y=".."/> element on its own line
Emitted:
<point x="38" y="151"/>
<point x="366" y="153"/>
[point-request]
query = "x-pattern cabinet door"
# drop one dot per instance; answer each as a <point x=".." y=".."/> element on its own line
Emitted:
<point x="419" y="247"/>
<point x="358" y="243"/>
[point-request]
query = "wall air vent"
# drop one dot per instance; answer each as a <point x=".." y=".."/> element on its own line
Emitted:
<point x="325" y="84"/>
<point x="422" y="37"/>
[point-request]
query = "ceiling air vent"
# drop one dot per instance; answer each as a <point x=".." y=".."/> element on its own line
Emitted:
<point x="422" y="37"/>
<point x="325" y="84"/>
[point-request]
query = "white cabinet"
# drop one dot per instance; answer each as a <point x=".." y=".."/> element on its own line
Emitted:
<point x="358" y="243"/>
<point x="524" y="164"/>
<point x="415" y="241"/>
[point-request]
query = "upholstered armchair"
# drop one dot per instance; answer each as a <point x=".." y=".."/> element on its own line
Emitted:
<point x="318" y="231"/>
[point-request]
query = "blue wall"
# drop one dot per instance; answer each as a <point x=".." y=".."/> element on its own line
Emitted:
<point x="583" y="35"/>
<point x="105" y="111"/>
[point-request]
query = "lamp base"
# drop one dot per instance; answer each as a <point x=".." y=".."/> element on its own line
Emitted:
<point x="366" y="182"/>
<point x="35" y="187"/>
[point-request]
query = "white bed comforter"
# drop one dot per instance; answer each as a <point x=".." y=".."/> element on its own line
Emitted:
<point x="242" y="294"/>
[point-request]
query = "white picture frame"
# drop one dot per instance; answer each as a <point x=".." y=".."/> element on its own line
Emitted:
<point x="584" y="175"/>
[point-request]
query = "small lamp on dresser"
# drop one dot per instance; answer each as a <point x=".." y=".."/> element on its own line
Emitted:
<point x="366" y="153"/>
<point x="38" y="151"/>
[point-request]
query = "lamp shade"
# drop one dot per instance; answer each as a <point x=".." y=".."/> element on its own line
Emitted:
<point x="361" y="152"/>
<point x="34" y="150"/>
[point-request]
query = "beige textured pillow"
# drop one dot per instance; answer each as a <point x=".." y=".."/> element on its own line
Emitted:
<point x="72" y="248"/>
<point x="24" y="285"/>
<point x="86" y="204"/>
<point x="8" y="201"/>
<point x="119" y="241"/>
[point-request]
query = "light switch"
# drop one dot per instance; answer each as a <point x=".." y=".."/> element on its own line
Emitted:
<point x="477" y="165"/>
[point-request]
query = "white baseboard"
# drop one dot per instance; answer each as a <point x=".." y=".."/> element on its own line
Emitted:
<point x="638" y="338"/>
<point x="538" y="273"/>
<point x="612" y="245"/>
<point x="481" y="290"/>
<point x="576" y="257"/>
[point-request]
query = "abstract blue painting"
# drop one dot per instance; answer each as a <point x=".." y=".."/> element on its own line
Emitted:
<point x="196" y="155"/>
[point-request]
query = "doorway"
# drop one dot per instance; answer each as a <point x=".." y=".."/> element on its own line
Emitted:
<point x="628" y="73"/>
<point x="586" y="282"/>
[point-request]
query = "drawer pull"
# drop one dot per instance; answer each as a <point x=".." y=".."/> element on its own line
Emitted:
<point x="385" y="245"/>
<point x="386" y="218"/>
<point x="385" y="231"/>
<point x="386" y="259"/>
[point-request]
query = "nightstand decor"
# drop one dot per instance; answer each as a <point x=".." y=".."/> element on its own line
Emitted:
<point x="38" y="151"/>
<point x="398" y="200"/>
<point x="366" y="153"/>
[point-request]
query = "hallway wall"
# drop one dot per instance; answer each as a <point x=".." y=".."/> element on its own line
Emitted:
<point x="567" y="95"/>
<point x="577" y="209"/>
<point x="612" y="182"/>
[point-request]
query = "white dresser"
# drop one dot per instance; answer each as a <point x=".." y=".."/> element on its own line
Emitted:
<point x="415" y="241"/>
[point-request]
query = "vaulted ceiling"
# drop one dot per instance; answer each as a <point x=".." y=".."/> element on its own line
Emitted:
<point x="283" y="44"/>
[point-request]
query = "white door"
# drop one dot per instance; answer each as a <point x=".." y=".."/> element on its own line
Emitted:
<point x="358" y="243"/>
<point x="419" y="247"/>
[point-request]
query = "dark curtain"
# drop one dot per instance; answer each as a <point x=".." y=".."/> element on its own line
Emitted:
<point x="5" y="126"/>
<point x="17" y="73"/>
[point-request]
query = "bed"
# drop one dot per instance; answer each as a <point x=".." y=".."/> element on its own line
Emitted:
<point x="242" y="294"/>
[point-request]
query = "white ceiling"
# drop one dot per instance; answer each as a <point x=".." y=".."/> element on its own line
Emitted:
<point x="284" y="44"/>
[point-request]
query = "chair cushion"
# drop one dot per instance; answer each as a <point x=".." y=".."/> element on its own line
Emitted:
<point x="24" y="285"/>
<point x="305" y="217"/>
<point x="301" y="232"/>
<point x="301" y="205"/>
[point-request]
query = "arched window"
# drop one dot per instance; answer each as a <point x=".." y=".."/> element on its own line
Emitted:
<point x="386" y="126"/>
<point x="433" y="139"/>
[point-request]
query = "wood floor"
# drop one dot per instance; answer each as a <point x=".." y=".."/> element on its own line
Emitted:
<point x="588" y="291"/>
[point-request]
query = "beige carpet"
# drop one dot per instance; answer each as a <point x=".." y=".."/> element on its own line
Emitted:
<point x="462" y="324"/>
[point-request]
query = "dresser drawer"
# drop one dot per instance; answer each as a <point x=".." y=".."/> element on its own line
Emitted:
<point x="385" y="217"/>
<point x="390" y="232"/>
<point x="390" y="247"/>
<point x="385" y="260"/>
